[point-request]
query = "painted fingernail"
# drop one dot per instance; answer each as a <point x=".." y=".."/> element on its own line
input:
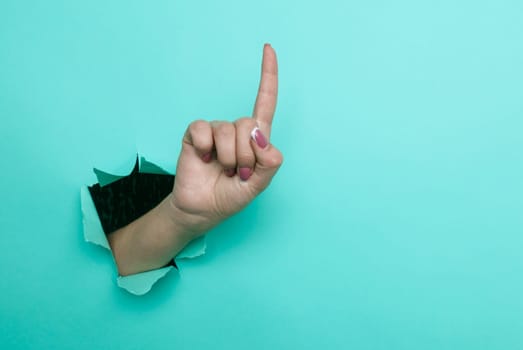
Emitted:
<point x="259" y="138"/>
<point x="207" y="157"/>
<point x="245" y="173"/>
<point x="230" y="172"/>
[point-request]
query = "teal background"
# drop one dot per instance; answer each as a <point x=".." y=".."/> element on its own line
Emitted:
<point x="395" y="223"/>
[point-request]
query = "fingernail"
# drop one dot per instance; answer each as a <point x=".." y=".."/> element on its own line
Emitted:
<point x="259" y="138"/>
<point x="207" y="157"/>
<point x="230" y="172"/>
<point x="245" y="173"/>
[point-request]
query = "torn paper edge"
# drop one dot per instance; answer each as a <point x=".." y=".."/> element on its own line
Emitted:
<point x="104" y="178"/>
<point x="93" y="231"/>
<point x="140" y="283"/>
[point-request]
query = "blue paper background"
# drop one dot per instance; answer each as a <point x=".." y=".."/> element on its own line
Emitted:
<point x="396" y="221"/>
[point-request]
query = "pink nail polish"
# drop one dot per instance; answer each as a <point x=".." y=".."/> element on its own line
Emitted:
<point x="259" y="138"/>
<point x="245" y="173"/>
<point x="230" y="172"/>
<point x="207" y="157"/>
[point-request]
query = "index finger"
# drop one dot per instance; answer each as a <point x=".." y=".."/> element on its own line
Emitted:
<point x="268" y="91"/>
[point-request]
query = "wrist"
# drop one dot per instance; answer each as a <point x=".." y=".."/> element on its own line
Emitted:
<point x="188" y="225"/>
<point x="152" y="240"/>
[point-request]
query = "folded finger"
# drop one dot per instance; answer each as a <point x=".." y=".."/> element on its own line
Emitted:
<point x="224" y="134"/>
<point x="199" y="136"/>
<point x="244" y="153"/>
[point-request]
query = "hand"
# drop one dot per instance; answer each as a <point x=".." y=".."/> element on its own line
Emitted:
<point x="223" y="166"/>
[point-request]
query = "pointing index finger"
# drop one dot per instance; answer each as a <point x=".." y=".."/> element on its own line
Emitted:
<point x="268" y="91"/>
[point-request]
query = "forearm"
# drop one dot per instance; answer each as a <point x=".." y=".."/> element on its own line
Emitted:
<point x="149" y="242"/>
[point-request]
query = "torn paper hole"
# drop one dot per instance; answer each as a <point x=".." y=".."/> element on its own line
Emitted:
<point x="121" y="200"/>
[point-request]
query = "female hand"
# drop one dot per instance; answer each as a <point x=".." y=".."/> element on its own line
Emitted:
<point x="221" y="168"/>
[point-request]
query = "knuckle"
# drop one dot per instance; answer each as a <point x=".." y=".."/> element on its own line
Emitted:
<point x="246" y="157"/>
<point x="226" y="158"/>
<point x="199" y="131"/>
<point x="198" y="126"/>
<point x="246" y="122"/>
<point x="225" y="130"/>
<point x="227" y="162"/>
<point x="275" y="160"/>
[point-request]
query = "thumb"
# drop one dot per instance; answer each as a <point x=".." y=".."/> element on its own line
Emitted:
<point x="268" y="161"/>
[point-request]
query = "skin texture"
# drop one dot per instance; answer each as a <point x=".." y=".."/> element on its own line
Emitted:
<point x="222" y="167"/>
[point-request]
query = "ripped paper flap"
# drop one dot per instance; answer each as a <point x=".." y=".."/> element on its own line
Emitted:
<point x="139" y="283"/>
